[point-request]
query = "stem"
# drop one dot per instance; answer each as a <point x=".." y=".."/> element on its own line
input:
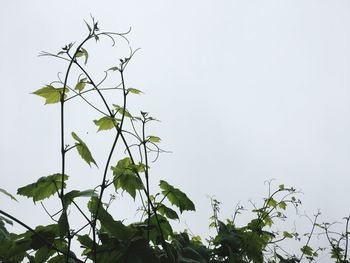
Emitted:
<point x="310" y="235"/>
<point x="103" y="185"/>
<point x="147" y="178"/>
<point x="63" y="150"/>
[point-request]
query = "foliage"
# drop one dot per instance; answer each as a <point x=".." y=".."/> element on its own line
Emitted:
<point x="102" y="237"/>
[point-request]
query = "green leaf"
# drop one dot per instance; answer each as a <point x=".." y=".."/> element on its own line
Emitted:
<point x="154" y="139"/>
<point x="166" y="211"/>
<point x="176" y="197"/>
<point x="44" y="187"/>
<point x="154" y="233"/>
<point x="82" y="52"/>
<point x="114" y="69"/>
<point x="43" y="254"/>
<point x="83" y="150"/>
<point x="69" y="197"/>
<point x="115" y="228"/>
<point x="85" y="241"/>
<point x="51" y="94"/>
<point x="81" y="84"/>
<point x="106" y="123"/>
<point x="63" y="225"/>
<point x="134" y="91"/>
<point x="8" y="194"/>
<point x="281" y="186"/>
<point x="121" y="111"/>
<point x="287" y="234"/>
<point x="125" y="176"/>
<point x="282" y="205"/>
<point x="271" y="202"/>
<point x="307" y="250"/>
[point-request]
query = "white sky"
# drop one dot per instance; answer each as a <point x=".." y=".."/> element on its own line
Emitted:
<point x="247" y="91"/>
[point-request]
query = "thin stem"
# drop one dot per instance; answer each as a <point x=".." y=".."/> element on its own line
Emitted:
<point x="147" y="178"/>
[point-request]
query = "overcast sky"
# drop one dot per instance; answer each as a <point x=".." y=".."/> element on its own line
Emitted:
<point x="247" y="91"/>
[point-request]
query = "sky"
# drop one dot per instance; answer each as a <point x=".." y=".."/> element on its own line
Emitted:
<point x="246" y="91"/>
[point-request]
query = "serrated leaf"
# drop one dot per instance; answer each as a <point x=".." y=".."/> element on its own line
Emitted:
<point x="176" y="197"/>
<point x="80" y="85"/>
<point x="271" y="202"/>
<point x="69" y="197"/>
<point x="106" y="123"/>
<point x="307" y="250"/>
<point x="83" y="150"/>
<point x="154" y="233"/>
<point x="125" y="176"/>
<point x="8" y="194"/>
<point x="167" y="212"/>
<point x="116" y="228"/>
<point x="282" y="205"/>
<point x="51" y="94"/>
<point x="134" y="91"/>
<point x="43" y="188"/>
<point x="154" y="139"/>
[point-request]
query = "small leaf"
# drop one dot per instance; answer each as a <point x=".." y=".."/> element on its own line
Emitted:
<point x="282" y="205"/>
<point x="307" y="250"/>
<point x="154" y="139"/>
<point x="83" y="150"/>
<point x="81" y="84"/>
<point x="287" y="234"/>
<point x="166" y="211"/>
<point x="51" y="94"/>
<point x="125" y="177"/>
<point x="281" y="186"/>
<point x="8" y="194"/>
<point x="134" y="91"/>
<point x="271" y="202"/>
<point x="121" y="111"/>
<point x="83" y="52"/>
<point x="176" y="197"/>
<point x="105" y="123"/>
<point x="44" y="187"/>
<point x="114" y="69"/>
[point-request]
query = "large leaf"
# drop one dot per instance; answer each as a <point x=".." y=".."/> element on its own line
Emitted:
<point x="50" y="93"/>
<point x="115" y="228"/>
<point x="83" y="150"/>
<point x="8" y="194"/>
<point x="176" y="197"/>
<point x="43" y="254"/>
<point x="44" y="187"/>
<point x="125" y="177"/>
<point x="106" y="123"/>
<point x="155" y="232"/>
